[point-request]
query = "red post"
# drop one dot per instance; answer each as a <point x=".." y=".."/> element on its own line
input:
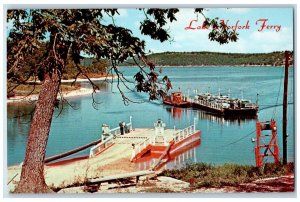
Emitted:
<point x="265" y="150"/>
<point x="257" y="149"/>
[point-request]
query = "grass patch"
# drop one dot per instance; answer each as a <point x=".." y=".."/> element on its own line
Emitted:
<point x="207" y="175"/>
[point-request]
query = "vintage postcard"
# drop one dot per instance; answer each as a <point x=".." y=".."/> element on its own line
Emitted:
<point x="150" y="100"/>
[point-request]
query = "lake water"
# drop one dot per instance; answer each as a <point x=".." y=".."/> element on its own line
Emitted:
<point x="222" y="141"/>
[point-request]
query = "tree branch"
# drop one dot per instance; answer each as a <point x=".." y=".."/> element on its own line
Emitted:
<point x="126" y="100"/>
<point x="64" y="100"/>
<point x="94" y="86"/>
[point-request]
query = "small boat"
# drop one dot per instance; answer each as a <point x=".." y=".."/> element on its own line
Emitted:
<point x="176" y="99"/>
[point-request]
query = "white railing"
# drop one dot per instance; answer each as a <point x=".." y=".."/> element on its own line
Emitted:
<point x="184" y="133"/>
<point x="177" y="136"/>
<point x="139" y="147"/>
<point x="102" y="145"/>
<point x="148" y="141"/>
<point x="107" y="141"/>
<point x="117" y="132"/>
<point x="209" y="104"/>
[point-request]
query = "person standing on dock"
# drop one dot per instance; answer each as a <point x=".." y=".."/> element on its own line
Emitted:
<point x="124" y="127"/>
<point x="126" y="130"/>
<point x="121" y="128"/>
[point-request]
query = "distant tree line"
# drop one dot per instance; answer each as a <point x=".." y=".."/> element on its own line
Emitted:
<point x="91" y="66"/>
<point x="214" y="58"/>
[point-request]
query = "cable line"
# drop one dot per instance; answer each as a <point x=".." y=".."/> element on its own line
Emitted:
<point x="274" y="111"/>
<point x="238" y="140"/>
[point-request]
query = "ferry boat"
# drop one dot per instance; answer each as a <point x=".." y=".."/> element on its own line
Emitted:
<point x="176" y="99"/>
<point x="223" y="105"/>
<point x="119" y="153"/>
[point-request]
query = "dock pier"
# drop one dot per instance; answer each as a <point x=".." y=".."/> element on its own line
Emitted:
<point x="117" y="155"/>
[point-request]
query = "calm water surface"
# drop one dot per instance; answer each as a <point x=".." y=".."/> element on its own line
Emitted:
<point x="221" y="140"/>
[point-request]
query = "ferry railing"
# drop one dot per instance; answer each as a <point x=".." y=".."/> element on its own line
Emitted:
<point x="208" y="104"/>
<point x="184" y="133"/>
<point x="177" y="136"/>
<point x="107" y="141"/>
<point x="137" y="148"/>
<point x="117" y="131"/>
<point x="148" y="141"/>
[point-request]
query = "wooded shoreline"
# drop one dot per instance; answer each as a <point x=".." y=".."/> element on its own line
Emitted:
<point x="218" y="59"/>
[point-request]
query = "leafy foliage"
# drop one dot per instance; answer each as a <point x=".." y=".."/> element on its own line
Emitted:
<point x="59" y="37"/>
<point x="154" y="28"/>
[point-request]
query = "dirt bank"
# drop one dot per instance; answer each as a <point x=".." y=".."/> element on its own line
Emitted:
<point x="164" y="184"/>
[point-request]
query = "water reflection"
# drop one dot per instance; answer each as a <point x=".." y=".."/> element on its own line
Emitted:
<point x="178" y="113"/>
<point x="20" y="116"/>
<point x="223" y="120"/>
<point x="176" y="159"/>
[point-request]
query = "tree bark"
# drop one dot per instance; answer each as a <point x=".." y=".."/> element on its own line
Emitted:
<point x="32" y="176"/>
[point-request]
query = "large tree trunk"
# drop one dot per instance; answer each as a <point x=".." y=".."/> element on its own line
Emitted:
<point x="32" y="176"/>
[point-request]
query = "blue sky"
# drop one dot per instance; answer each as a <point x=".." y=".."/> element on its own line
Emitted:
<point x="250" y="40"/>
